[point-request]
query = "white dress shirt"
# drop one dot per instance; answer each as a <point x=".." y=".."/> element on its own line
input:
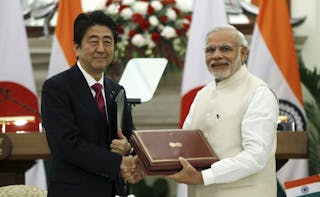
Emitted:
<point x="249" y="160"/>
<point x="91" y="81"/>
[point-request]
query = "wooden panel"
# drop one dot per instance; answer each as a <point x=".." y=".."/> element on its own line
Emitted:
<point x="28" y="146"/>
<point x="292" y="145"/>
<point x="31" y="146"/>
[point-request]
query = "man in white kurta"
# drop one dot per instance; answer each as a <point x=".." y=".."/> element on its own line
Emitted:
<point x="237" y="113"/>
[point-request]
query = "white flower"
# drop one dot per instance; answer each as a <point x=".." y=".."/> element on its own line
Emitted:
<point x="127" y="2"/>
<point x="153" y="20"/>
<point x="168" y="27"/>
<point x="150" y="43"/>
<point x="156" y="5"/>
<point x="171" y="14"/>
<point x="126" y="13"/>
<point x="140" y="7"/>
<point x="112" y="9"/>
<point x="121" y="45"/>
<point x="138" y="40"/>
<point x="168" y="32"/>
<point x="184" y="5"/>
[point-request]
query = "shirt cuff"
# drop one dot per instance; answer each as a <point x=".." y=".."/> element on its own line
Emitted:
<point x="207" y="176"/>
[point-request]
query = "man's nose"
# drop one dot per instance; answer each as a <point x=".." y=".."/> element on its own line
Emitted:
<point x="100" y="47"/>
<point x="216" y="55"/>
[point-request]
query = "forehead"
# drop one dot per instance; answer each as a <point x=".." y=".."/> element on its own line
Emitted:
<point x="223" y="37"/>
<point x="99" y="31"/>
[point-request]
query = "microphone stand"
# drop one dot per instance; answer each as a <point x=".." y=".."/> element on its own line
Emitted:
<point x="133" y="102"/>
<point x="7" y="96"/>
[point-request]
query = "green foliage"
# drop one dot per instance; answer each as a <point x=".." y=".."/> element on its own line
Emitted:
<point x="311" y="80"/>
<point x="313" y="114"/>
<point x="160" y="188"/>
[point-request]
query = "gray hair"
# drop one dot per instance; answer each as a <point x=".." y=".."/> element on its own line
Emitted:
<point x="242" y="39"/>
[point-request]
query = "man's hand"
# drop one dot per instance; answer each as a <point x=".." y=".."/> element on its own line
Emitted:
<point x="121" y="145"/>
<point x="128" y="163"/>
<point x="134" y="175"/>
<point x="188" y="174"/>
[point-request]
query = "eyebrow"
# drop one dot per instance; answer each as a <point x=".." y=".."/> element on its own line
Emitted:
<point x="104" y="37"/>
<point x="214" y="46"/>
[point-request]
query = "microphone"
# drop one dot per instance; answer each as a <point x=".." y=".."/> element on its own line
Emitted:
<point x="7" y="96"/>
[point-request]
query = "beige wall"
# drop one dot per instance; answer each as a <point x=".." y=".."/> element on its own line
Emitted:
<point x="310" y="28"/>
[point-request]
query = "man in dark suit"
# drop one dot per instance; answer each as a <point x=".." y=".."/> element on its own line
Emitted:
<point x="88" y="152"/>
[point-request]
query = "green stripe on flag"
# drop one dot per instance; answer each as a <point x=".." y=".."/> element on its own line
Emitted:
<point x="317" y="194"/>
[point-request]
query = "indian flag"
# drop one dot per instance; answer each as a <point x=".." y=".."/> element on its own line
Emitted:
<point x="62" y="53"/>
<point x="206" y="15"/>
<point x="273" y="58"/>
<point x="306" y="187"/>
<point x="18" y="95"/>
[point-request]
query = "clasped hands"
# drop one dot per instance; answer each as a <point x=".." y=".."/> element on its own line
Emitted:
<point x="132" y="169"/>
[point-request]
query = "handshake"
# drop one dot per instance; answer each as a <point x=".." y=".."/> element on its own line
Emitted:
<point x="132" y="169"/>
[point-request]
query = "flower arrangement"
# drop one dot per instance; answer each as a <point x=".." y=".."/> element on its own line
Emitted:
<point x="151" y="28"/>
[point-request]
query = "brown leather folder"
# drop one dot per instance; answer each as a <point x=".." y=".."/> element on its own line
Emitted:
<point x="159" y="150"/>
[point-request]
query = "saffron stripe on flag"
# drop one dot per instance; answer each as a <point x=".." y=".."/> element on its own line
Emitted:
<point x="303" y="181"/>
<point x="279" y="38"/>
<point x="62" y="53"/>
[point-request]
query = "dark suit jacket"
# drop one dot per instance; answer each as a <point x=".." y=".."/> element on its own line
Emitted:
<point x="79" y="136"/>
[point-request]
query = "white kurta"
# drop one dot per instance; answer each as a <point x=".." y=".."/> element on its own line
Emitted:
<point x="238" y="116"/>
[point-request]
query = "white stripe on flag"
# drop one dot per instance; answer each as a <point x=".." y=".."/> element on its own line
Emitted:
<point x="293" y="169"/>
<point x="58" y="60"/>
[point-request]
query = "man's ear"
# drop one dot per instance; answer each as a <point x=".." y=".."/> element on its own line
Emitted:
<point x="244" y="54"/>
<point x="76" y="49"/>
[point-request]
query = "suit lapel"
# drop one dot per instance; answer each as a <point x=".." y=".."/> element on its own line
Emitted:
<point x="81" y="88"/>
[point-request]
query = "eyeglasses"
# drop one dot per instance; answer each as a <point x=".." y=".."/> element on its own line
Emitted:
<point x="225" y="49"/>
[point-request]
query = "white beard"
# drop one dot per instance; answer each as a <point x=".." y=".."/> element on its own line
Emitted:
<point x="221" y="74"/>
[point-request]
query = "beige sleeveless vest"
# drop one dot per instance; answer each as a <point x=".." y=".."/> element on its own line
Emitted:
<point x="218" y="114"/>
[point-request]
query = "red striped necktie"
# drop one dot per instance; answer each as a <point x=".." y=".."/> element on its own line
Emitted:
<point x="97" y="87"/>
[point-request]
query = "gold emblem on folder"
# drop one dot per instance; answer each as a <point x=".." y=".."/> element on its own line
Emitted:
<point x="175" y="144"/>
